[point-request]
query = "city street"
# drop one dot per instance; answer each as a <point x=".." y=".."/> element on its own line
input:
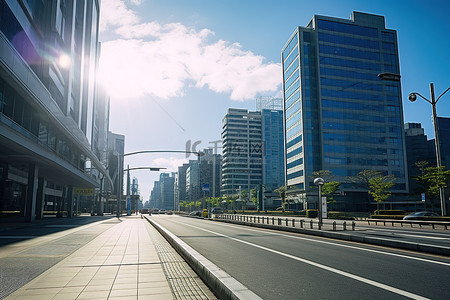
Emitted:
<point x="278" y="265"/>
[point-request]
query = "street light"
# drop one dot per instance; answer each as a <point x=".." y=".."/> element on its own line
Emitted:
<point x="413" y="97"/>
<point x="319" y="182"/>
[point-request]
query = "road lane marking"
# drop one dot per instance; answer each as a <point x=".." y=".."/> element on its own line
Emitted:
<point x="324" y="267"/>
<point x="354" y="247"/>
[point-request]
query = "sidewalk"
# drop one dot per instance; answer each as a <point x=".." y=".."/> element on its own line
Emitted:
<point x="124" y="262"/>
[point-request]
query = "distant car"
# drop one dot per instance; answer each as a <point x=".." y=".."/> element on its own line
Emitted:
<point x="195" y="213"/>
<point x="155" y="211"/>
<point x="162" y="211"/>
<point x="169" y="212"/>
<point x="420" y="215"/>
<point x="145" y="211"/>
<point x="217" y="210"/>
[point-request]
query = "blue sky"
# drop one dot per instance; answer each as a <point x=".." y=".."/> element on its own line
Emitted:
<point x="173" y="67"/>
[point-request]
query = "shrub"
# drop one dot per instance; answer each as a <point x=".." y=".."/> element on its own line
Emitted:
<point x="340" y="215"/>
<point x="392" y="212"/>
<point x="312" y="213"/>
<point x="391" y="217"/>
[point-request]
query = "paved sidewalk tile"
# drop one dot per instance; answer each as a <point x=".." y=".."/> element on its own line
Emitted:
<point x="121" y="263"/>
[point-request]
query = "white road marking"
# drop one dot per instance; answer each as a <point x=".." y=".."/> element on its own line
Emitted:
<point x="330" y="269"/>
<point x="357" y="248"/>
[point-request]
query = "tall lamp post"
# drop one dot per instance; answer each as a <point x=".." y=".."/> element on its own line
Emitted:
<point x="413" y="97"/>
<point x="319" y="182"/>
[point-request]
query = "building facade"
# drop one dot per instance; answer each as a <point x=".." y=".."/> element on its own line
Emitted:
<point x="339" y="115"/>
<point x="48" y="57"/>
<point x="242" y="151"/>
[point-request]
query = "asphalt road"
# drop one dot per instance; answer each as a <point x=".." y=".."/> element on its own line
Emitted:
<point x="277" y="265"/>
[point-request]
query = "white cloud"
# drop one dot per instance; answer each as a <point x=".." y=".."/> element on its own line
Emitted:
<point x="162" y="60"/>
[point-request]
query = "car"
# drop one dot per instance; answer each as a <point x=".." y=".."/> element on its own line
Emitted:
<point x="145" y="211"/>
<point x="169" y="212"/>
<point x="155" y="211"/>
<point x="420" y="215"/>
<point x="162" y="211"/>
<point x="217" y="210"/>
<point x="195" y="213"/>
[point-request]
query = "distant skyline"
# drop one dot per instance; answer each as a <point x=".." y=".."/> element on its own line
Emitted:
<point x="173" y="68"/>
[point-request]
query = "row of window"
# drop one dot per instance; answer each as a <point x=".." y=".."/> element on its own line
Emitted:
<point x="347" y="28"/>
<point x="349" y="52"/>
<point x="292" y="99"/>
<point x="291" y="79"/>
<point x="293" y="109"/>
<point x="345" y="84"/>
<point x="348" y="74"/>
<point x="290" y="46"/>
<point x="295" y="163"/>
<point x="292" y="121"/>
<point x="292" y="68"/>
<point x="342" y="94"/>
<point x="15" y="108"/>
<point x="294" y="141"/>
<point x="291" y="58"/>
<point x="356" y="64"/>
<point x="295" y="175"/>
<point x="353" y="138"/>
<point x="349" y="160"/>
<point x="350" y="116"/>
<point x="356" y="150"/>
<point x="293" y="130"/>
<point x="347" y="40"/>
<point x="351" y="105"/>
<point x="295" y="86"/>
<point x="353" y="127"/>
<point x="294" y="152"/>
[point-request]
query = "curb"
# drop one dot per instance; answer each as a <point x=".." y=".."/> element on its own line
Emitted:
<point x="221" y="283"/>
<point x="425" y="248"/>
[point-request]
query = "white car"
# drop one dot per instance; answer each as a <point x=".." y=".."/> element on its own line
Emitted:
<point x="162" y="211"/>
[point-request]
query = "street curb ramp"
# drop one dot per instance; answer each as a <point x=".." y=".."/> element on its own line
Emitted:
<point x="221" y="283"/>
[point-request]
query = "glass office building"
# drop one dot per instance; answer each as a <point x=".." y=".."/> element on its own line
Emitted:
<point x="339" y="115"/>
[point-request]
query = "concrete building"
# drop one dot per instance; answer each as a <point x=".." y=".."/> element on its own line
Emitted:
<point x="339" y="115"/>
<point x="180" y="186"/>
<point x="210" y="172"/>
<point x="242" y="150"/>
<point x="48" y="57"/>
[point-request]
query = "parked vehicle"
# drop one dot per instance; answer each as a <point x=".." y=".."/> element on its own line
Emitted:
<point x="162" y="211"/>
<point x="155" y="211"/>
<point x="420" y="215"/>
<point x="217" y="210"/>
<point x="145" y="211"/>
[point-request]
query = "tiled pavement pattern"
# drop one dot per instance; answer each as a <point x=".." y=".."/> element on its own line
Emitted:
<point x="121" y="263"/>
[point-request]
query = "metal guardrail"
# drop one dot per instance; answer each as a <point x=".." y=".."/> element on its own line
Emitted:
<point x="433" y="224"/>
<point x="284" y="222"/>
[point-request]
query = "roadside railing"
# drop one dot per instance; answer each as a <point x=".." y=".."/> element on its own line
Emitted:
<point x="286" y="222"/>
<point x="420" y="223"/>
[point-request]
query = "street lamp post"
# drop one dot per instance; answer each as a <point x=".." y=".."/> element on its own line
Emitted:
<point x="319" y="182"/>
<point x="413" y="97"/>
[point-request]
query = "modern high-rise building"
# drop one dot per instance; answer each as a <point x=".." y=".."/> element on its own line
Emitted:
<point x="48" y="135"/>
<point x="180" y="186"/>
<point x="272" y="126"/>
<point x="210" y="172"/>
<point x="242" y="150"/>
<point x="339" y="115"/>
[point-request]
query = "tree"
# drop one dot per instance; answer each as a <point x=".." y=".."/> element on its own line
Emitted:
<point x="254" y="197"/>
<point x="432" y="179"/>
<point x="330" y="186"/>
<point x="380" y="186"/>
<point x="282" y="192"/>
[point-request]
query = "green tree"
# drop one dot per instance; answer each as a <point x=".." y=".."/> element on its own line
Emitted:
<point x="434" y="178"/>
<point x="379" y="187"/>
<point x="330" y="186"/>
<point x="254" y="197"/>
<point x="282" y="192"/>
